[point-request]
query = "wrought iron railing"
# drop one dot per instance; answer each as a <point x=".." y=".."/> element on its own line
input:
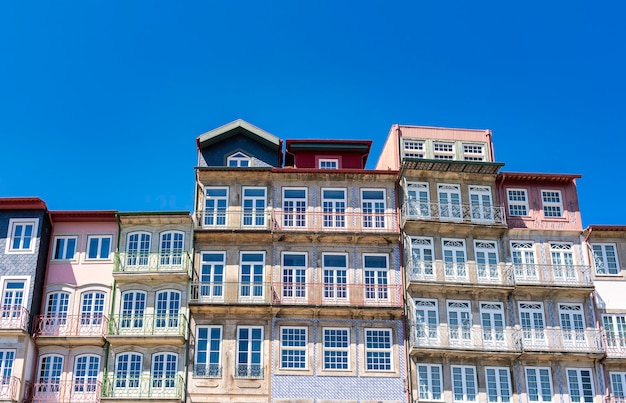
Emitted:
<point x="207" y="370"/>
<point x="234" y="219"/>
<point x="144" y="387"/>
<point x="9" y="388"/>
<point x="87" y="390"/>
<point x="127" y="262"/>
<point x="479" y="338"/>
<point x="14" y="318"/>
<point x="467" y="213"/>
<point x="557" y="275"/>
<point x="148" y="325"/>
<point x="248" y="371"/>
<point x="474" y="273"/>
<point x="562" y="340"/>
<point x="84" y="325"/>
<point x="615" y="346"/>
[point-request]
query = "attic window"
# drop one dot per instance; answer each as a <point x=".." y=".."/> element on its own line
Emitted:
<point x="238" y="159"/>
<point x="328" y="163"/>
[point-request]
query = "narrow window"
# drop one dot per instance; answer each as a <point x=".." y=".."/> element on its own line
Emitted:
<point x="293" y="343"/>
<point x="454" y="259"/>
<point x="523" y="256"/>
<point x="449" y="202"/>
<point x="138" y="249"/>
<point x="481" y="207"/>
<point x="580" y="382"/>
<point x="208" y="352"/>
<point x="249" y="352"/>
<point x="128" y="371"/>
<point x="253" y="207"/>
<point x="429" y="382"/>
<point x="86" y="370"/>
<point x="294" y="207"/>
<point x="164" y="373"/>
<point x="421" y="262"/>
<point x="460" y="321"/>
<point x="464" y="385"/>
<point x="605" y="258"/>
<point x="376" y="273"/>
<point x="336" y="349"/>
<point x="518" y="202"/>
<point x="251" y="276"/>
<point x="373" y="208"/>
<point x="378" y="349"/>
<point x="171" y="248"/>
<point x="539" y="384"/>
<point x="334" y="208"/>
<point x="418" y="201"/>
<point x="533" y="324"/>
<point x="552" y="203"/>
<point x="426" y="321"/>
<point x="215" y="206"/>
<point x="335" y="269"/>
<point x="498" y="384"/>
<point x="294" y="276"/>
<point x="212" y="275"/>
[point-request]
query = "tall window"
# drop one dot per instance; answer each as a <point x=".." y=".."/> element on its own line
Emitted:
<point x="335" y="267"/>
<point x="251" y="278"/>
<point x="518" y="202"/>
<point x="418" y="200"/>
<point x="373" y="208"/>
<point x="249" y="352"/>
<point x="618" y="384"/>
<point x="293" y="347"/>
<point x="7" y="357"/>
<point x="492" y="322"/>
<point x="294" y="276"/>
<point x="473" y="152"/>
<point x="454" y="260"/>
<point x="133" y="307"/>
<point x="552" y="203"/>
<point x="480" y="203"/>
<point x="498" y="384"/>
<point x="533" y="325"/>
<point x="91" y="311"/>
<point x="429" y="382"/>
<point x="138" y="249"/>
<point x="294" y="207"/>
<point x="13" y="295"/>
<point x="378" y="349"/>
<point x="422" y="258"/>
<point x="523" y="256"/>
<point x="487" y="261"/>
<point x="164" y="373"/>
<point x="215" y="206"/>
<point x="328" y="163"/>
<point x="253" y="206"/>
<point x="605" y="258"/>
<point x="449" y="202"/>
<point x="86" y="370"/>
<point x="57" y="305"/>
<point x="562" y="257"/>
<point x="49" y="378"/>
<point x="22" y="234"/>
<point x="171" y="248"/>
<point x="376" y="272"/>
<point x="572" y="324"/>
<point x="464" y="385"/>
<point x="443" y="150"/>
<point x="238" y="159"/>
<point x="167" y="311"/>
<point x="128" y="371"/>
<point x="615" y="330"/>
<point x="336" y="348"/>
<point x="98" y="247"/>
<point x="460" y="321"/>
<point x="580" y="382"/>
<point x="208" y="352"/>
<point x="64" y="247"/>
<point x="539" y="384"/>
<point x="413" y="148"/>
<point x="334" y="208"/>
<point x="426" y="320"/>
<point x="212" y="275"/>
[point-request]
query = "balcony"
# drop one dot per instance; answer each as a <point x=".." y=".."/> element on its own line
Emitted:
<point x="337" y="294"/>
<point x="227" y="220"/>
<point x="148" y="326"/>
<point x="13" y="318"/>
<point x="415" y="210"/>
<point x="9" y="388"/>
<point x="207" y="370"/>
<point x="152" y="263"/>
<point x="85" y="325"/>
<point x="144" y="387"/>
<point x="66" y="391"/>
<point x="552" y="275"/>
<point x="476" y="338"/>
<point x="250" y="371"/>
<point x="559" y="340"/>
<point x="615" y="346"/>
<point x="472" y="273"/>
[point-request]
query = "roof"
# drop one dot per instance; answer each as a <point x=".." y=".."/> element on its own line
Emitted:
<point x="236" y="127"/>
<point x="528" y="176"/>
<point x="477" y="167"/>
<point x="22" y="203"/>
<point x="83" y="216"/>
<point x="362" y="146"/>
<point x="608" y="228"/>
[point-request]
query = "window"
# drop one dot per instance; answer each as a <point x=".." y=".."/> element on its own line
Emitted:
<point x="335" y="267"/>
<point x="238" y="159"/>
<point x="518" y="202"/>
<point x="328" y="163"/>
<point x="413" y="148"/>
<point x="64" y="247"/>
<point x="473" y="152"/>
<point x="56" y="310"/>
<point x="49" y="378"/>
<point x="98" y="246"/>
<point x="533" y="325"/>
<point x="133" y="307"/>
<point x="171" y="248"/>
<point x="167" y="312"/>
<point x="552" y="204"/>
<point x="422" y="259"/>
<point x="523" y="256"/>
<point x="426" y="320"/>
<point x="294" y="276"/>
<point x="293" y="343"/>
<point x="128" y="371"/>
<point x="580" y="382"/>
<point x="22" y="234"/>
<point x="618" y="383"/>
<point x="449" y="202"/>
<point x="336" y="348"/>
<point x="212" y="275"/>
<point x="498" y="384"/>
<point x="572" y="325"/>
<point x="376" y="271"/>
<point x="480" y="203"/>
<point x="443" y="151"/>
<point x="208" y="352"/>
<point x="334" y="208"/>
<point x="464" y="387"/>
<point x="86" y="370"/>
<point x="538" y="384"/>
<point x="13" y="301"/>
<point x="563" y="262"/>
<point x="373" y="208"/>
<point x="487" y="261"/>
<point x="429" y="382"/>
<point x="605" y="258"/>
<point x="164" y="374"/>
<point x="294" y="207"/>
<point x="7" y="357"/>
<point x="92" y="311"/>
<point x="460" y="321"/>
<point x="251" y="278"/>
<point x="138" y="249"/>
<point x="249" y="352"/>
<point x="418" y="200"/>
<point x="615" y="330"/>
<point x="378" y="349"/>
<point x="215" y="206"/>
<point x="454" y="260"/>
<point x="492" y="322"/>
<point x="253" y="207"/>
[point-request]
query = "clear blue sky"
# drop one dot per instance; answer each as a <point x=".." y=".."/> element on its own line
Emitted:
<point x="101" y="101"/>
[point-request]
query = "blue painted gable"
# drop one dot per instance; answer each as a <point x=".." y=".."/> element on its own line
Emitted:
<point x="215" y="155"/>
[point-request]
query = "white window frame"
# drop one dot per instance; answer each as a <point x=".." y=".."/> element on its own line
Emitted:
<point x="171" y="256"/>
<point x="168" y="306"/>
<point x="524" y="261"/>
<point x="85" y="384"/>
<point x="49" y="383"/>
<point x="473" y="152"/>
<point x="464" y="385"/>
<point x="450" y="209"/>
<point x="552" y="204"/>
<point x="133" y="320"/>
<point x="240" y="159"/>
<point x="422" y="258"/>
<point x="23" y="223"/>
<point x="442" y="154"/>
<point x="213" y="289"/>
<point x="487" y="259"/>
<point x="533" y="334"/>
<point x="615" y="377"/>
<point x="426" y="331"/>
<point x="250" y="371"/>
<point x="57" y="310"/>
<point x="381" y="356"/>
<point x="217" y="216"/>
<point x="578" y="372"/>
<point x="329" y="349"/>
<point x="335" y="290"/>
<point x="455" y="263"/>
<point x="63" y="250"/>
<point x="427" y="384"/>
<point x="163" y="385"/>
<point x="492" y="331"/>
<point x="562" y="258"/>
<point x="615" y="330"/>
<point x="413" y="148"/>
<point x="12" y="315"/>
<point x="461" y="333"/>
<point x="139" y="256"/>
<point x="296" y="353"/>
<point x="293" y="288"/>
<point x="209" y="369"/>
<point x="334" y="210"/>
<point x="573" y="332"/>
<point x="418" y="200"/>
<point x="99" y="253"/>
<point x="295" y="208"/>
<point x="132" y="384"/>
<point x="374" y="210"/>
<point x="251" y="289"/>
<point x="253" y="217"/>
<point x="502" y="387"/>
<point x="539" y="383"/>
<point x="601" y="259"/>
<point x="328" y="163"/>
<point x="92" y="312"/>
<point x="7" y="361"/>
<point x="515" y="202"/>
<point x="376" y="279"/>
<point x="481" y="203"/>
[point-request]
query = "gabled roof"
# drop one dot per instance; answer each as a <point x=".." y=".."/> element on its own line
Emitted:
<point x="238" y="126"/>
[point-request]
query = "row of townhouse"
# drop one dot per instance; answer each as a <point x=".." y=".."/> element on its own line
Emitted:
<point x="301" y="276"/>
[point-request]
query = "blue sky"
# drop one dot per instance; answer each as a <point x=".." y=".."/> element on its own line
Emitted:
<point x="101" y="101"/>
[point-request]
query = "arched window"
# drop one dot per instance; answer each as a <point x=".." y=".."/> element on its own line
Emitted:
<point x="164" y="373"/>
<point x="167" y="311"/>
<point x="132" y="311"/>
<point x="171" y="248"/>
<point x="127" y="371"/>
<point x="86" y="385"/>
<point x="138" y="249"/>
<point x="91" y="311"/>
<point x="49" y="376"/>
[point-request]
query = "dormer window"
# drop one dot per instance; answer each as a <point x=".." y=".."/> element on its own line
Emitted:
<point x="328" y="163"/>
<point x="238" y="159"/>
